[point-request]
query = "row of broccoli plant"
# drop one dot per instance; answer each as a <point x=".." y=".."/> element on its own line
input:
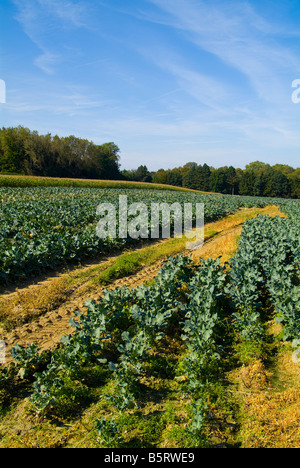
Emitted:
<point x="150" y="315"/>
<point x="194" y="296"/>
<point x="266" y="269"/>
<point x="205" y="316"/>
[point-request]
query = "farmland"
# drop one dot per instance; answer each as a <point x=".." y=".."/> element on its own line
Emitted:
<point x="173" y="362"/>
<point x="43" y="227"/>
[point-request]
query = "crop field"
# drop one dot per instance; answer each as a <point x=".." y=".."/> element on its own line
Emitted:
<point x="43" y="227"/>
<point x="203" y="354"/>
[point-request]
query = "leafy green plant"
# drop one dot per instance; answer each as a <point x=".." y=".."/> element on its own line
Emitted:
<point x="196" y="429"/>
<point x="28" y="359"/>
<point x="203" y="313"/>
<point x="133" y="352"/>
<point x="108" y="433"/>
<point x="267" y="261"/>
<point x="249" y="325"/>
<point x="4" y="376"/>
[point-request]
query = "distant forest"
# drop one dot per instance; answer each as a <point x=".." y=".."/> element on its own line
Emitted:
<point x="26" y="152"/>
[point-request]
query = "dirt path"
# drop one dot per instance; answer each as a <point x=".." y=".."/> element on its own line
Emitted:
<point x="49" y="328"/>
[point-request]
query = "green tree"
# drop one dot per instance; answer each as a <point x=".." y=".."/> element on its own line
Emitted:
<point x="276" y="184"/>
<point x="142" y="174"/>
<point x="190" y="178"/>
<point x="258" y="187"/>
<point x="294" y="180"/>
<point x="258" y="167"/>
<point x="218" y="182"/>
<point x="160" y="176"/>
<point x="107" y="161"/>
<point x="247" y="182"/>
<point x="205" y="174"/>
<point x="284" y="169"/>
<point x="197" y="177"/>
<point x="12" y="149"/>
<point x="232" y="180"/>
<point x="40" y="158"/>
<point x="188" y="173"/>
<point x="174" y="177"/>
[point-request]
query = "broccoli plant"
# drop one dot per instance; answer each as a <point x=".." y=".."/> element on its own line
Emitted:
<point x="133" y="353"/>
<point x="108" y="432"/>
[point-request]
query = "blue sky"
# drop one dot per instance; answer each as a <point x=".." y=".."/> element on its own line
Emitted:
<point x="169" y="81"/>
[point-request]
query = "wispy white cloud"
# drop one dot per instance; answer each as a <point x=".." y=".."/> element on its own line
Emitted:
<point x="70" y="13"/>
<point x="202" y="87"/>
<point x="47" y="61"/>
<point x="238" y="36"/>
<point x="40" y="18"/>
<point x="60" y="100"/>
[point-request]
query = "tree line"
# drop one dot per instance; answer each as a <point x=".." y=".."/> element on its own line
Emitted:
<point x="257" y="179"/>
<point x="26" y="152"/>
